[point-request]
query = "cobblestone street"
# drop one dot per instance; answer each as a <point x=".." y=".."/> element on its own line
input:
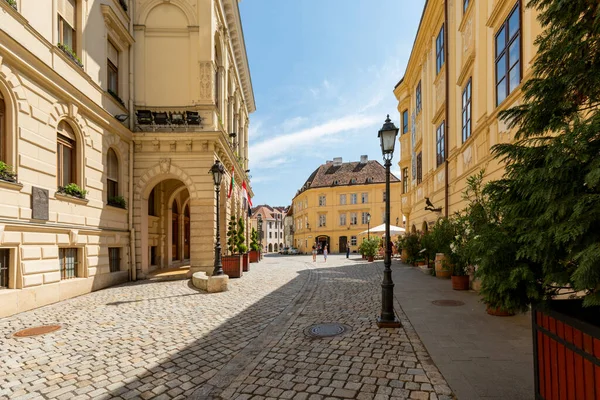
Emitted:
<point x="166" y="340"/>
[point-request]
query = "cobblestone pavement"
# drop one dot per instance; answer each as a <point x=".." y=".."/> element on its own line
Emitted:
<point x="166" y="340"/>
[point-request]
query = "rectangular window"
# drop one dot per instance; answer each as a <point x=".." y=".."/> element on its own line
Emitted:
<point x="270" y="235"/>
<point x="342" y="219"/>
<point x="321" y="201"/>
<point x="418" y="98"/>
<point x="352" y="240"/>
<point x="65" y="150"/>
<point x="466" y="112"/>
<point x="353" y="219"/>
<point x="322" y="220"/>
<point x="405" y="180"/>
<point x="440" y="148"/>
<point x="67" y="18"/>
<point x="4" y="266"/>
<point x="68" y="263"/>
<point x="113" y="69"/>
<point x="508" y="55"/>
<point x="384" y="196"/>
<point x="404" y="122"/>
<point x="365" y="218"/>
<point x="353" y="198"/>
<point x="153" y="253"/>
<point x="439" y="51"/>
<point x="114" y="258"/>
<point x="342" y="199"/>
<point x="364" y="198"/>
<point x="465" y="5"/>
<point x="419" y="168"/>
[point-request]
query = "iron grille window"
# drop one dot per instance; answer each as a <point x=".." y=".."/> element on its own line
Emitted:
<point x="440" y="149"/>
<point x="404" y="180"/>
<point x="418" y="97"/>
<point x="352" y="240"/>
<point x="508" y="55"/>
<point x="466" y="112"/>
<point x="439" y="51"/>
<point x="4" y="264"/>
<point x="68" y="263"/>
<point x="419" y="168"/>
<point x="114" y="256"/>
<point x="404" y="122"/>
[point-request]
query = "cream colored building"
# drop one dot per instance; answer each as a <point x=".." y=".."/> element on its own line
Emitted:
<point x="332" y="205"/>
<point x="176" y="73"/>
<point x="272" y="227"/>
<point x="469" y="61"/>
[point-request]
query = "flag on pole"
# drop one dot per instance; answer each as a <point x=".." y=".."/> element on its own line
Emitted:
<point x="246" y="198"/>
<point x="231" y="183"/>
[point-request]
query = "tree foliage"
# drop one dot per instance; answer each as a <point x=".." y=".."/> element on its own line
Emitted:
<point x="548" y="201"/>
<point x="232" y="235"/>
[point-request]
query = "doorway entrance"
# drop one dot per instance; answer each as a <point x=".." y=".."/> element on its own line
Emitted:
<point x="343" y="244"/>
<point x="175" y="232"/>
<point x="186" y="232"/>
<point x="321" y="242"/>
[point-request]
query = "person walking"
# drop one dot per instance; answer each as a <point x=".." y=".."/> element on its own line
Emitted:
<point x="314" y="253"/>
<point x="325" y="253"/>
<point x="348" y="252"/>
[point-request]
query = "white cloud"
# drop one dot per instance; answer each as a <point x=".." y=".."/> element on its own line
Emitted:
<point x="254" y="129"/>
<point x="293" y="123"/>
<point x="264" y="152"/>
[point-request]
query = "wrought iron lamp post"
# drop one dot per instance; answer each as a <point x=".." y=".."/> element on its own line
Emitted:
<point x="260" y="233"/>
<point x="387" y="136"/>
<point x="368" y="226"/>
<point x="218" y="171"/>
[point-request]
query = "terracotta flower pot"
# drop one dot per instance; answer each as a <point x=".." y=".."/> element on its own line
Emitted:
<point x="498" y="312"/>
<point x="371" y="258"/>
<point x="245" y="262"/>
<point x="460" y="282"/>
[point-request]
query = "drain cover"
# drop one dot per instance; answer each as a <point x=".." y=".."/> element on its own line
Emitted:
<point x="448" y="303"/>
<point x="326" y="330"/>
<point x="37" y="330"/>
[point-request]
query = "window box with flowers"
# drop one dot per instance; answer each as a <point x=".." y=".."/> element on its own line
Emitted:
<point x="6" y="173"/>
<point x="12" y="3"/>
<point x="117" y="201"/>
<point x="72" y="192"/>
<point x="70" y="53"/>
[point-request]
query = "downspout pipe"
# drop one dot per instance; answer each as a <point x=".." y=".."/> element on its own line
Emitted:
<point x="132" y="261"/>
<point x="447" y="107"/>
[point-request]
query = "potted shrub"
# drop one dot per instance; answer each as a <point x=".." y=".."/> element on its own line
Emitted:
<point x="412" y="244"/>
<point x="546" y="206"/>
<point x="6" y="173"/>
<point x="370" y="248"/>
<point x="241" y="244"/>
<point x="73" y="190"/>
<point x="254" y="247"/>
<point x="232" y="263"/>
<point x="117" y="201"/>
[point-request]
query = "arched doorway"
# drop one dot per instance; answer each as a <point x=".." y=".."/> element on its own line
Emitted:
<point x="175" y="231"/>
<point x="186" y="232"/>
<point x="425" y="227"/>
<point x="270" y="247"/>
<point x="323" y="241"/>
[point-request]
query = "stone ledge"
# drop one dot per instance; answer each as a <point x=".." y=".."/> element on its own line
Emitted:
<point x="72" y="199"/>
<point x="210" y="284"/>
<point x="11" y="185"/>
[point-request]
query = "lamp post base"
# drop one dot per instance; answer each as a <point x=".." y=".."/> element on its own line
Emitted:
<point x="388" y="324"/>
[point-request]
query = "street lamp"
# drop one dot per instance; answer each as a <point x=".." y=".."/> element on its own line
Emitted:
<point x="368" y="226"/>
<point x="259" y="223"/>
<point x="387" y="135"/>
<point x="218" y="171"/>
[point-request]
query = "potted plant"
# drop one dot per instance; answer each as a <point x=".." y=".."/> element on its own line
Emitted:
<point x="370" y="248"/>
<point x="254" y="247"/>
<point x="73" y="190"/>
<point x="117" y="201"/>
<point x="241" y="244"/>
<point x="232" y="263"/>
<point x="6" y="173"/>
<point x="412" y="245"/>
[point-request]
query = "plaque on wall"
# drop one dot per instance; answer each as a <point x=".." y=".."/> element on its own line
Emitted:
<point x="39" y="203"/>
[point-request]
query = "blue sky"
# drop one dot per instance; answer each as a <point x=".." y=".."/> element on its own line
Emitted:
<point x="323" y="73"/>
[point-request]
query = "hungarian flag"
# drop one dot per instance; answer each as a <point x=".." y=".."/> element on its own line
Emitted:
<point x="246" y="198"/>
<point x="231" y="183"/>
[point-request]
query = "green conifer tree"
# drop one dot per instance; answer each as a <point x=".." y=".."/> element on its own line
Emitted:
<point x="232" y="235"/>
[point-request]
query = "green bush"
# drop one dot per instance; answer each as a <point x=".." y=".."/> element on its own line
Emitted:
<point x="254" y="240"/>
<point x="241" y="238"/>
<point x="412" y="244"/>
<point x="370" y="247"/>
<point x="117" y="201"/>
<point x="72" y="189"/>
<point x="232" y="235"/>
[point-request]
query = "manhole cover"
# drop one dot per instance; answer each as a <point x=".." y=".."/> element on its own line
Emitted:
<point x="448" y="303"/>
<point x="37" y="330"/>
<point x="326" y="330"/>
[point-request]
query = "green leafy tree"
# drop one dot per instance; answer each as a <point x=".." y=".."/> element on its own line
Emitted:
<point x="548" y="202"/>
<point x="232" y="235"/>
<point x="241" y="238"/>
<point x="254" y="240"/>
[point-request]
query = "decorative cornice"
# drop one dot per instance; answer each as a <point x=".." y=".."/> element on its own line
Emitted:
<point x="112" y="21"/>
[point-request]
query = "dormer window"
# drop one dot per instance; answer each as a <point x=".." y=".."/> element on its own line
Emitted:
<point x="336" y="182"/>
<point x="369" y="180"/>
<point x="353" y="180"/>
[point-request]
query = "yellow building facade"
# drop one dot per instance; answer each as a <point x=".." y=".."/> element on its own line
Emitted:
<point x="132" y="101"/>
<point x="469" y="61"/>
<point x="332" y="206"/>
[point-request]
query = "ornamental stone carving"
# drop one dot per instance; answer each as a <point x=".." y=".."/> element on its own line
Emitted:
<point x="468" y="155"/>
<point x="165" y="165"/>
<point x="207" y="74"/>
<point x="467" y="36"/>
<point x="173" y="145"/>
<point x="440" y="91"/>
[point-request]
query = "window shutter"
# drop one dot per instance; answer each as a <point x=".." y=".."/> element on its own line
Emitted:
<point x="113" y="54"/>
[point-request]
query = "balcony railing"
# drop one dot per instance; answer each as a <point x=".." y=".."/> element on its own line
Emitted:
<point x="168" y="120"/>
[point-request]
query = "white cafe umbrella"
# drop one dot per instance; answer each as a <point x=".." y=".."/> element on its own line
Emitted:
<point x="394" y="230"/>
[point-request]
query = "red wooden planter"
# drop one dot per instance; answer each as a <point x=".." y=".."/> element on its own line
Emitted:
<point x="371" y="258"/>
<point x="245" y="262"/>
<point x="460" y="282"/>
<point x="232" y="266"/>
<point x="566" y="350"/>
<point x="253" y="256"/>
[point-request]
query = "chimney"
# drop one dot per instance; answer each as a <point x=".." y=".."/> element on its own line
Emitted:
<point x="328" y="162"/>
<point x="337" y="161"/>
<point x="364" y="159"/>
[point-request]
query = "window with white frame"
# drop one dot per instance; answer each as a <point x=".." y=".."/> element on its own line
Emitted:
<point x="352" y="240"/>
<point x="353" y="219"/>
<point x="365" y="218"/>
<point x="364" y="198"/>
<point x="67" y="20"/>
<point x="342" y="219"/>
<point x="342" y="199"/>
<point x="322" y="219"/>
<point x="322" y="200"/>
<point x="353" y="198"/>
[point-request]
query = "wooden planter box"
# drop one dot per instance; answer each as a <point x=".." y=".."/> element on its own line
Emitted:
<point x="566" y="351"/>
<point x="245" y="262"/>
<point x="232" y="266"/>
<point x="253" y="255"/>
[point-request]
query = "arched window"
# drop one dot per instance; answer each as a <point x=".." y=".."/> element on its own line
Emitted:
<point x="174" y="208"/>
<point x="3" y="155"/>
<point x="66" y="154"/>
<point x="112" y="176"/>
<point x="151" y="206"/>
